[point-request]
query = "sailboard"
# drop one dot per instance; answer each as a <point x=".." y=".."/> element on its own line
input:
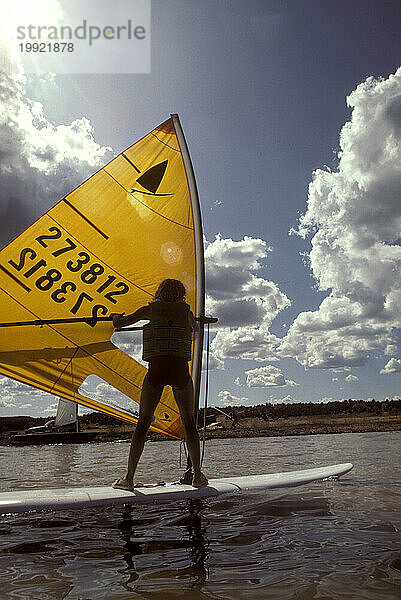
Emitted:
<point x="70" y="498"/>
<point x="103" y="249"/>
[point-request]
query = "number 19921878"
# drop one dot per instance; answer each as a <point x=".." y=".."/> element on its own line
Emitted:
<point x="46" y="47"/>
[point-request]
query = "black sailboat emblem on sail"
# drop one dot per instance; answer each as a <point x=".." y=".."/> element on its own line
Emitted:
<point x="151" y="179"/>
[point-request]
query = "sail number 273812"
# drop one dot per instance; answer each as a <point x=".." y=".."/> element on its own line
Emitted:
<point x="91" y="277"/>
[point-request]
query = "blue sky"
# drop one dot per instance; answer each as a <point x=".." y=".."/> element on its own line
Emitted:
<point x="261" y="88"/>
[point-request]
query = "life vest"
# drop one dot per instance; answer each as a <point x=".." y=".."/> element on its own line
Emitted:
<point x="168" y="333"/>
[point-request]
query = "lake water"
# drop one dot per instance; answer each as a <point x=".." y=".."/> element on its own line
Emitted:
<point x="326" y="541"/>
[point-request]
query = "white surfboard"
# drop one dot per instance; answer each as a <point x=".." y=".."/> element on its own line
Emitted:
<point x="56" y="499"/>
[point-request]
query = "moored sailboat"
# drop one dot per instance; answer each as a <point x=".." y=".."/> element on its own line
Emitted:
<point x="64" y="429"/>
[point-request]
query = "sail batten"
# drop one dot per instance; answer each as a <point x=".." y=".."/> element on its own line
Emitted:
<point x="103" y="249"/>
<point x="130" y="162"/>
<point x="106" y="237"/>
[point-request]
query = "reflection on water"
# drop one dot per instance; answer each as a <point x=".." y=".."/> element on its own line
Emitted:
<point x="330" y="540"/>
<point x="185" y="534"/>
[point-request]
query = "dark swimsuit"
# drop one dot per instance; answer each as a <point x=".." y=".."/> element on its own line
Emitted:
<point x="168" y="370"/>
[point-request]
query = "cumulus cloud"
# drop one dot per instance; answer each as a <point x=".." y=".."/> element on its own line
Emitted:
<point x="285" y="400"/>
<point x="19" y="399"/>
<point x="235" y="294"/>
<point x="351" y="378"/>
<point x="354" y="216"/>
<point x="268" y="376"/>
<point x="227" y="399"/>
<point x="244" y="303"/>
<point x="291" y="400"/>
<point x="250" y="343"/>
<point x="391" y="349"/>
<point x="393" y="366"/>
<point x="40" y="161"/>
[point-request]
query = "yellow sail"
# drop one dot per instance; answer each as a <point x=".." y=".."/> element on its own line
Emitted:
<point x="103" y="249"/>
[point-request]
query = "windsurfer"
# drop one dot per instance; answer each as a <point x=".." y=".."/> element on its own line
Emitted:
<point x="167" y="341"/>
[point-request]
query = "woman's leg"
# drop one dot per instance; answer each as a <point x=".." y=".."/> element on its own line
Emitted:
<point x="150" y="397"/>
<point x="185" y="401"/>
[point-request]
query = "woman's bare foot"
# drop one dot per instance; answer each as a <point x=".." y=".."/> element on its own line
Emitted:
<point x="199" y="480"/>
<point x="123" y="484"/>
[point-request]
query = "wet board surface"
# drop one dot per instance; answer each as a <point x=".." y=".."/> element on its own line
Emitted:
<point x="57" y="499"/>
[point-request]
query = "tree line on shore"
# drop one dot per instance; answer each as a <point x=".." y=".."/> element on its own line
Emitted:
<point x="282" y="411"/>
<point x="266" y="411"/>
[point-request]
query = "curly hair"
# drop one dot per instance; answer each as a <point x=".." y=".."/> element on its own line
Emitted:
<point x="170" y="290"/>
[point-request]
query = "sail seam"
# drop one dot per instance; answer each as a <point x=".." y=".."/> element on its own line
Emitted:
<point x="146" y="206"/>
<point x="64" y="370"/>
<point x="165" y="144"/>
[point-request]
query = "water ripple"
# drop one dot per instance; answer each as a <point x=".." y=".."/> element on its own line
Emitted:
<point x="335" y="540"/>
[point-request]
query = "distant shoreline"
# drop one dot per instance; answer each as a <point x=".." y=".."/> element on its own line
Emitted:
<point x="313" y="425"/>
<point x="251" y="428"/>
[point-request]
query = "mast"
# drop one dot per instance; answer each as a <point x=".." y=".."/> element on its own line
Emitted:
<point x="199" y="259"/>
